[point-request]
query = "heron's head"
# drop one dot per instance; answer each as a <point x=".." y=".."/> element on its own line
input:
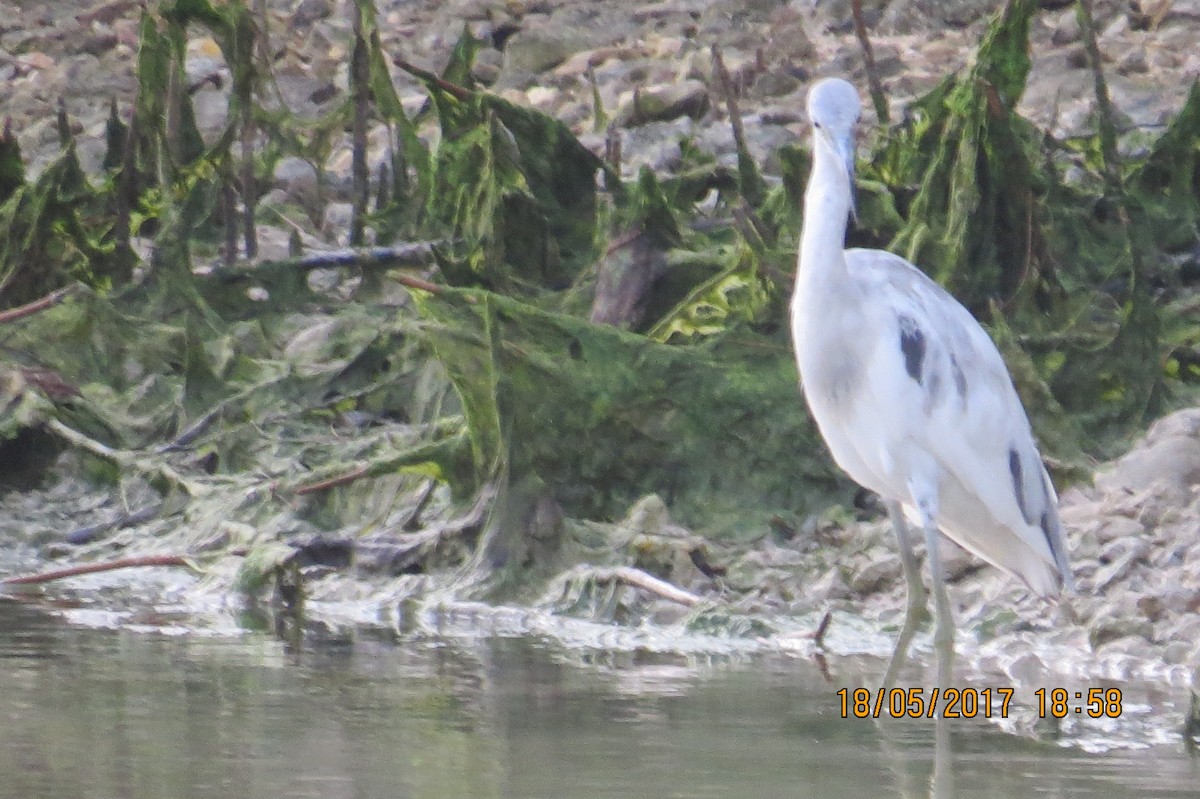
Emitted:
<point x="833" y="110"/>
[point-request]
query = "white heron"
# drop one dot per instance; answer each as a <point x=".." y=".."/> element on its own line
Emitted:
<point x="912" y="396"/>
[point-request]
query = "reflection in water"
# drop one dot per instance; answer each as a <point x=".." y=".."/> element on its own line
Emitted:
<point x="95" y="713"/>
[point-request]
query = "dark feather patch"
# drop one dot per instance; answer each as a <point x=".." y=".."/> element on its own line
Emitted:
<point x="960" y="379"/>
<point x="1014" y="469"/>
<point x="912" y="347"/>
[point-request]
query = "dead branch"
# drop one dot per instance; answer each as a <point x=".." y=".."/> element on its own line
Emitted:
<point x="1107" y="116"/>
<point x="727" y="89"/>
<point x="344" y="475"/>
<point x="647" y="582"/>
<point x="450" y="88"/>
<point x="360" y="79"/>
<point x="822" y="628"/>
<point x="29" y="309"/>
<point x="93" y="568"/>
<point x="749" y="180"/>
<point x="878" y="98"/>
<point x="157" y="472"/>
<point x="332" y="482"/>
<point x="111" y="565"/>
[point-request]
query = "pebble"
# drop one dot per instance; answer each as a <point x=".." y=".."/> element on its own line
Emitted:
<point x="663" y="103"/>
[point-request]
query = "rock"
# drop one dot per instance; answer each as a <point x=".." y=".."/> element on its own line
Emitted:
<point x="957" y="563"/>
<point x="532" y="51"/>
<point x="1065" y="28"/>
<point x="298" y="180"/>
<point x="648" y="516"/>
<point x="1117" y="530"/>
<point x="212" y="109"/>
<point x="97" y="43"/>
<point x="908" y="16"/>
<point x="1027" y="669"/>
<point x="1133" y="63"/>
<point x="578" y="64"/>
<point x="335" y="222"/>
<point x="1112" y="626"/>
<point x="775" y="84"/>
<point x="1169" y="454"/>
<point x="881" y="570"/>
<point x="829" y="586"/>
<point x="487" y="66"/>
<point x="663" y="103"/>
<point x="307" y="12"/>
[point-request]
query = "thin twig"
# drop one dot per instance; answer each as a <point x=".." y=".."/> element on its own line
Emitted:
<point x="727" y="89"/>
<point x="1108" y="127"/>
<point x="29" y="309"/>
<point x="450" y="88"/>
<point x="379" y="467"/>
<point x="878" y="98"/>
<point x="822" y="628"/>
<point x="121" y="458"/>
<point x="360" y="79"/>
<point x="230" y="217"/>
<point x="332" y="482"/>
<point x="749" y="179"/>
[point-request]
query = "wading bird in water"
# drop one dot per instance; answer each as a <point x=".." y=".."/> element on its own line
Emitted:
<point x="912" y="396"/>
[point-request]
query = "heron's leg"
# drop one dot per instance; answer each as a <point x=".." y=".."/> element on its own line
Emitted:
<point x="943" y="638"/>
<point x="918" y="609"/>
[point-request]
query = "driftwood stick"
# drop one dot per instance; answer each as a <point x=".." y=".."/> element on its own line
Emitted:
<point x="77" y="439"/>
<point x="29" y="309"/>
<point x="647" y="582"/>
<point x="111" y="565"/>
<point x="93" y="568"/>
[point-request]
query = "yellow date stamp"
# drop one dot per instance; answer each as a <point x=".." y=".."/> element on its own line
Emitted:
<point x="969" y="703"/>
<point x="916" y="703"/>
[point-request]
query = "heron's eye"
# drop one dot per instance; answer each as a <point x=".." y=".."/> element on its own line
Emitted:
<point x="816" y="124"/>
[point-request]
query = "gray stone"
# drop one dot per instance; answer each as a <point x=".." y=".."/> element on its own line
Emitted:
<point x="488" y="64"/>
<point x="663" y="103"/>
<point x="881" y="570"/>
<point x="335" y="222"/>
<point x="535" y="50"/>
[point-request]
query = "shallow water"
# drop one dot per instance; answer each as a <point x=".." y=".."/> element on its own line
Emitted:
<point x="89" y="712"/>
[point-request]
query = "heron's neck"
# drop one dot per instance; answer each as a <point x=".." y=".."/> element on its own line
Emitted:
<point x="826" y="209"/>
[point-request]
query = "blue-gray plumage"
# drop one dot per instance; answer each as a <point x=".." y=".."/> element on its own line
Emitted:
<point x="878" y="345"/>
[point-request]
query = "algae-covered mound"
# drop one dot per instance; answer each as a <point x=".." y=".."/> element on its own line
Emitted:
<point x="523" y="351"/>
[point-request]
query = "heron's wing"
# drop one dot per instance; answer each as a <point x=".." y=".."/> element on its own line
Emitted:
<point x="948" y="390"/>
